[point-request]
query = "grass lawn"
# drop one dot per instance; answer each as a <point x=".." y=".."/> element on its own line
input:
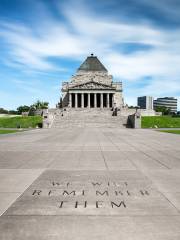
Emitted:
<point x="4" y="131"/>
<point x="20" y="122"/>
<point x="160" y="122"/>
<point x="171" y="131"/>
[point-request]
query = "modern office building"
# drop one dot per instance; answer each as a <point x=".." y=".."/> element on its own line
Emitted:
<point x="145" y="102"/>
<point x="168" y="102"/>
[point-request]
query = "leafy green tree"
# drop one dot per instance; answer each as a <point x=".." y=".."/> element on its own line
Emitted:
<point x="4" y="111"/>
<point x="23" y="108"/>
<point x="164" y="110"/>
<point x="40" y="105"/>
<point x="13" y="112"/>
<point x="32" y="110"/>
<point x="131" y="107"/>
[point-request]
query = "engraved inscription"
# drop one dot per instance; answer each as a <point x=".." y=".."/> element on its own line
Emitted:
<point x="92" y="194"/>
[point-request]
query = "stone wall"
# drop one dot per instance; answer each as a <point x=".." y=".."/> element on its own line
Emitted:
<point x="134" y="121"/>
<point x="48" y="117"/>
<point x="82" y="77"/>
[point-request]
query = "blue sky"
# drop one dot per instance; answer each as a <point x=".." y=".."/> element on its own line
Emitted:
<point x="43" y="42"/>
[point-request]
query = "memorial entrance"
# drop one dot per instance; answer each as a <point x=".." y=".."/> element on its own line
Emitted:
<point x="92" y="87"/>
<point x="90" y="100"/>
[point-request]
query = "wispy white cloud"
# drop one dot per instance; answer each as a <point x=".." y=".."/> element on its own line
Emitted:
<point x="169" y="8"/>
<point x="161" y="62"/>
<point x="27" y="86"/>
<point x="84" y="32"/>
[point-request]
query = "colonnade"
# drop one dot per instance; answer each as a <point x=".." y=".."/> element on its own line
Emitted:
<point x="91" y="100"/>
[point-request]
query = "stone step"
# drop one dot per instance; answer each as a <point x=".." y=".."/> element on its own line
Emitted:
<point x="88" y="118"/>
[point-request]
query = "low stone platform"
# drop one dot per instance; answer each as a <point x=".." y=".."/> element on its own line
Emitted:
<point x="95" y="183"/>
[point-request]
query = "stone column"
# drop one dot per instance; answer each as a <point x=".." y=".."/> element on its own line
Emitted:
<point x="107" y="100"/>
<point x="113" y="100"/>
<point x="95" y="100"/>
<point x="76" y="100"/>
<point x="101" y="100"/>
<point x="82" y="100"/>
<point x="70" y="100"/>
<point x="88" y="100"/>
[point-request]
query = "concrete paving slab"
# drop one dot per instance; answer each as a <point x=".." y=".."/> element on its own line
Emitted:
<point x="17" y="180"/>
<point x="126" y="185"/>
<point x="6" y="199"/>
<point x="65" y="160"/>
<point x="165" y="158"/>
<point x="91" y="165"/>
<point x="144" y="160"/>
<point x="25" y="159"/>
<point x="91" y="148"/>
<point x="91" y="227"/>
<point x="117" y="160"/>
<point x="165" y="180"/>
<point x="174" y="198"/>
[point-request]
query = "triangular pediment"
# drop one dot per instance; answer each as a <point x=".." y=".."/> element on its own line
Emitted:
<point x="92" y="85"/>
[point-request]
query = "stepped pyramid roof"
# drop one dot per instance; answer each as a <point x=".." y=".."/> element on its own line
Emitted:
<point x="92" y="63"/>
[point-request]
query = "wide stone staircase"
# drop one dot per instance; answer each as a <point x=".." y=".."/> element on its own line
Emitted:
<point x="88" y="118"/>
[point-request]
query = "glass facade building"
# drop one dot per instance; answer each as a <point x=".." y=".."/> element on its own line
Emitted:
<point x="168" y="102"/>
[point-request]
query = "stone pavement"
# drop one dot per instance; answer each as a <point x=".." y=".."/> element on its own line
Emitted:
<point x="95" y="183"/>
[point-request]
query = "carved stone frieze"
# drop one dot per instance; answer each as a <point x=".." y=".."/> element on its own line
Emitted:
<point x="92" y="85"/>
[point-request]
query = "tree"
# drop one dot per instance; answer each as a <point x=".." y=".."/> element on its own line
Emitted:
<point x="40" y="105"/>
<point x="13" y="112"/>
<point x="23" y="108"/>
<point x="131" y="107"/>
<point x="2" y="110"/>
<point x="32" y="110"/>
<point x="163" y="109"/>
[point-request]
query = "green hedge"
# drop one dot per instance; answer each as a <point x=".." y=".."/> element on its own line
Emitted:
<point x="160" y="122"/>
<point x="23" y="122"/>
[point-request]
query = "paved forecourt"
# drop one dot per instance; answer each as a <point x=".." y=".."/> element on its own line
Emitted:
<point x="96" y="183"/>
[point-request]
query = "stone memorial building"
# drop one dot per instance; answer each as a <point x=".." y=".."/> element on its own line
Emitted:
<point x="92" y="87"/>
